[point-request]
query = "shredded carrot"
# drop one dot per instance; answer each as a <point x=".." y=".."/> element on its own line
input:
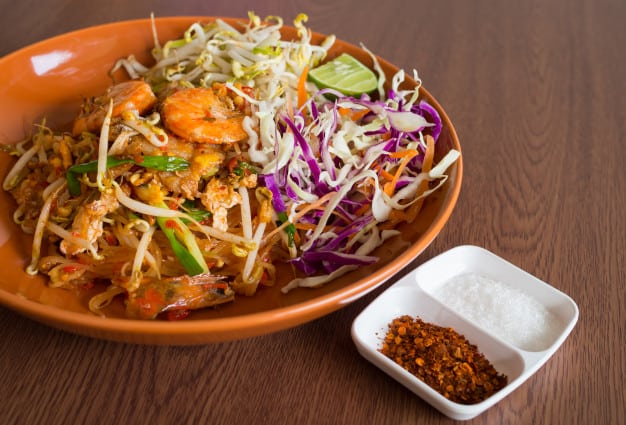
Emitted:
<point x="335" y="212"/>
<point x="344" y="111"/>
<point x="395" y="217"/>
<point x="361" y="211"/>
<point x="382" y="172"/>
<point x="406" y="156"/>
<point x="355" y="115"/>
<point x="305" y="226"/>
<point x="306" y="209"/>
<point x="429" y="155"/>
<point x="310" y="226"/>
<point x="302" y="95"/>
<point x="427" y="165"/>
<point x="403" y="154"/>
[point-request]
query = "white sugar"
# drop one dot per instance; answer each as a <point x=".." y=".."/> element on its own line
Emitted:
<point x="502" y="310"/>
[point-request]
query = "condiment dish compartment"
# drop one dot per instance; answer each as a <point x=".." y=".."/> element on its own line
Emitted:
<point x="413" y="295"/>
<point x="466" y="260"/>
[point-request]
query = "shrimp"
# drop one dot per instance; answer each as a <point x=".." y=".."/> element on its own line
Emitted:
<point x="130" y="95"/>
<point x="204" y="115"/>
<point x="178" y="294"/>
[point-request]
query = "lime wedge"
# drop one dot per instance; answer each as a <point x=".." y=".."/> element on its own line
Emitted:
<point x="346" y="75"/>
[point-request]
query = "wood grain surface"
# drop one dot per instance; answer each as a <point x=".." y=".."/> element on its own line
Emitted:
<point x="536" y="90"/>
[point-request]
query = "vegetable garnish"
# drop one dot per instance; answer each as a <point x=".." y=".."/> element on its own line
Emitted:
<point x="346" y="75"/>
<point x="196" y="214"/>
<point x="183" y="242"/>
<point x="290" y="230"/>
<point x="243" y="169"/>
<point x="236" y="151"/>
<point x="160" y="163"/>
<point x="192" y="260"/>
<point x="302" y="93"/>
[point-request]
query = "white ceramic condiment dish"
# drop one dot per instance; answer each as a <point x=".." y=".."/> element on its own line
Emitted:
<point x="413" y="295"/>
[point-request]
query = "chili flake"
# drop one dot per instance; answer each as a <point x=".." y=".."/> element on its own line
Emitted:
<point x="443" y="359"/>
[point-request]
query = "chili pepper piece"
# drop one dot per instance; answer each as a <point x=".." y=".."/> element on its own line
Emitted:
<point x="443" y="359"/>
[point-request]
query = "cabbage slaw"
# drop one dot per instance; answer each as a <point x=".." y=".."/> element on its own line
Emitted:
<point x="339" y="171"/>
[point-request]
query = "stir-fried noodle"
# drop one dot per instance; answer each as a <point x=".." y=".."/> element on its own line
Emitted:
<point x="188" y="183"/>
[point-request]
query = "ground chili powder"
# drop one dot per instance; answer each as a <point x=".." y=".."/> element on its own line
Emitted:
<point x="443" y="359"/>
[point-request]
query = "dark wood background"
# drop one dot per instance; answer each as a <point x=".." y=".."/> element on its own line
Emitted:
<point x="536" y="90"/>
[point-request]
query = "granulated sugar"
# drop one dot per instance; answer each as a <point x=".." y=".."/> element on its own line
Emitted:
<point x="502" y="310"/>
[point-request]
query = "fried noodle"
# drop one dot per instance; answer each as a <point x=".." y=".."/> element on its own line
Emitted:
<point x="188" y="183"/>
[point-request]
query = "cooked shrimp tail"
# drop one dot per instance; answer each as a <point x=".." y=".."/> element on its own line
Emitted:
<point x="178" y="293"/>
<point x="134" y="95"/>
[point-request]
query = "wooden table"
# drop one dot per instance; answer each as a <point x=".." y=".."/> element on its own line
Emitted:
<point x="537" y="92"/>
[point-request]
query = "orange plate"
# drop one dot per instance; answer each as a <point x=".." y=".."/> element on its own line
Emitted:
<point x="50" y="79"/>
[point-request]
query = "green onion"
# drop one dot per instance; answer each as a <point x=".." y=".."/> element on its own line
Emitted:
<point x="183" y="243"/>
<point x="290" y="229"/>
<point x="159" y="163"/>
<point x="196" y="214"/>
<point x="243" y="168"/>
<point x="193" y="265"/>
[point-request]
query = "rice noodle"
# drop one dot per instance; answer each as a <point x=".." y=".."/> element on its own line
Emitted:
<point x="32" y="268"/>
<point x="140" y="255"/>
<point x="103" y="299"/>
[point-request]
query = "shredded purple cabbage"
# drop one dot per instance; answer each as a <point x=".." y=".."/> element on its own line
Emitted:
<point x="351" y="215"/>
